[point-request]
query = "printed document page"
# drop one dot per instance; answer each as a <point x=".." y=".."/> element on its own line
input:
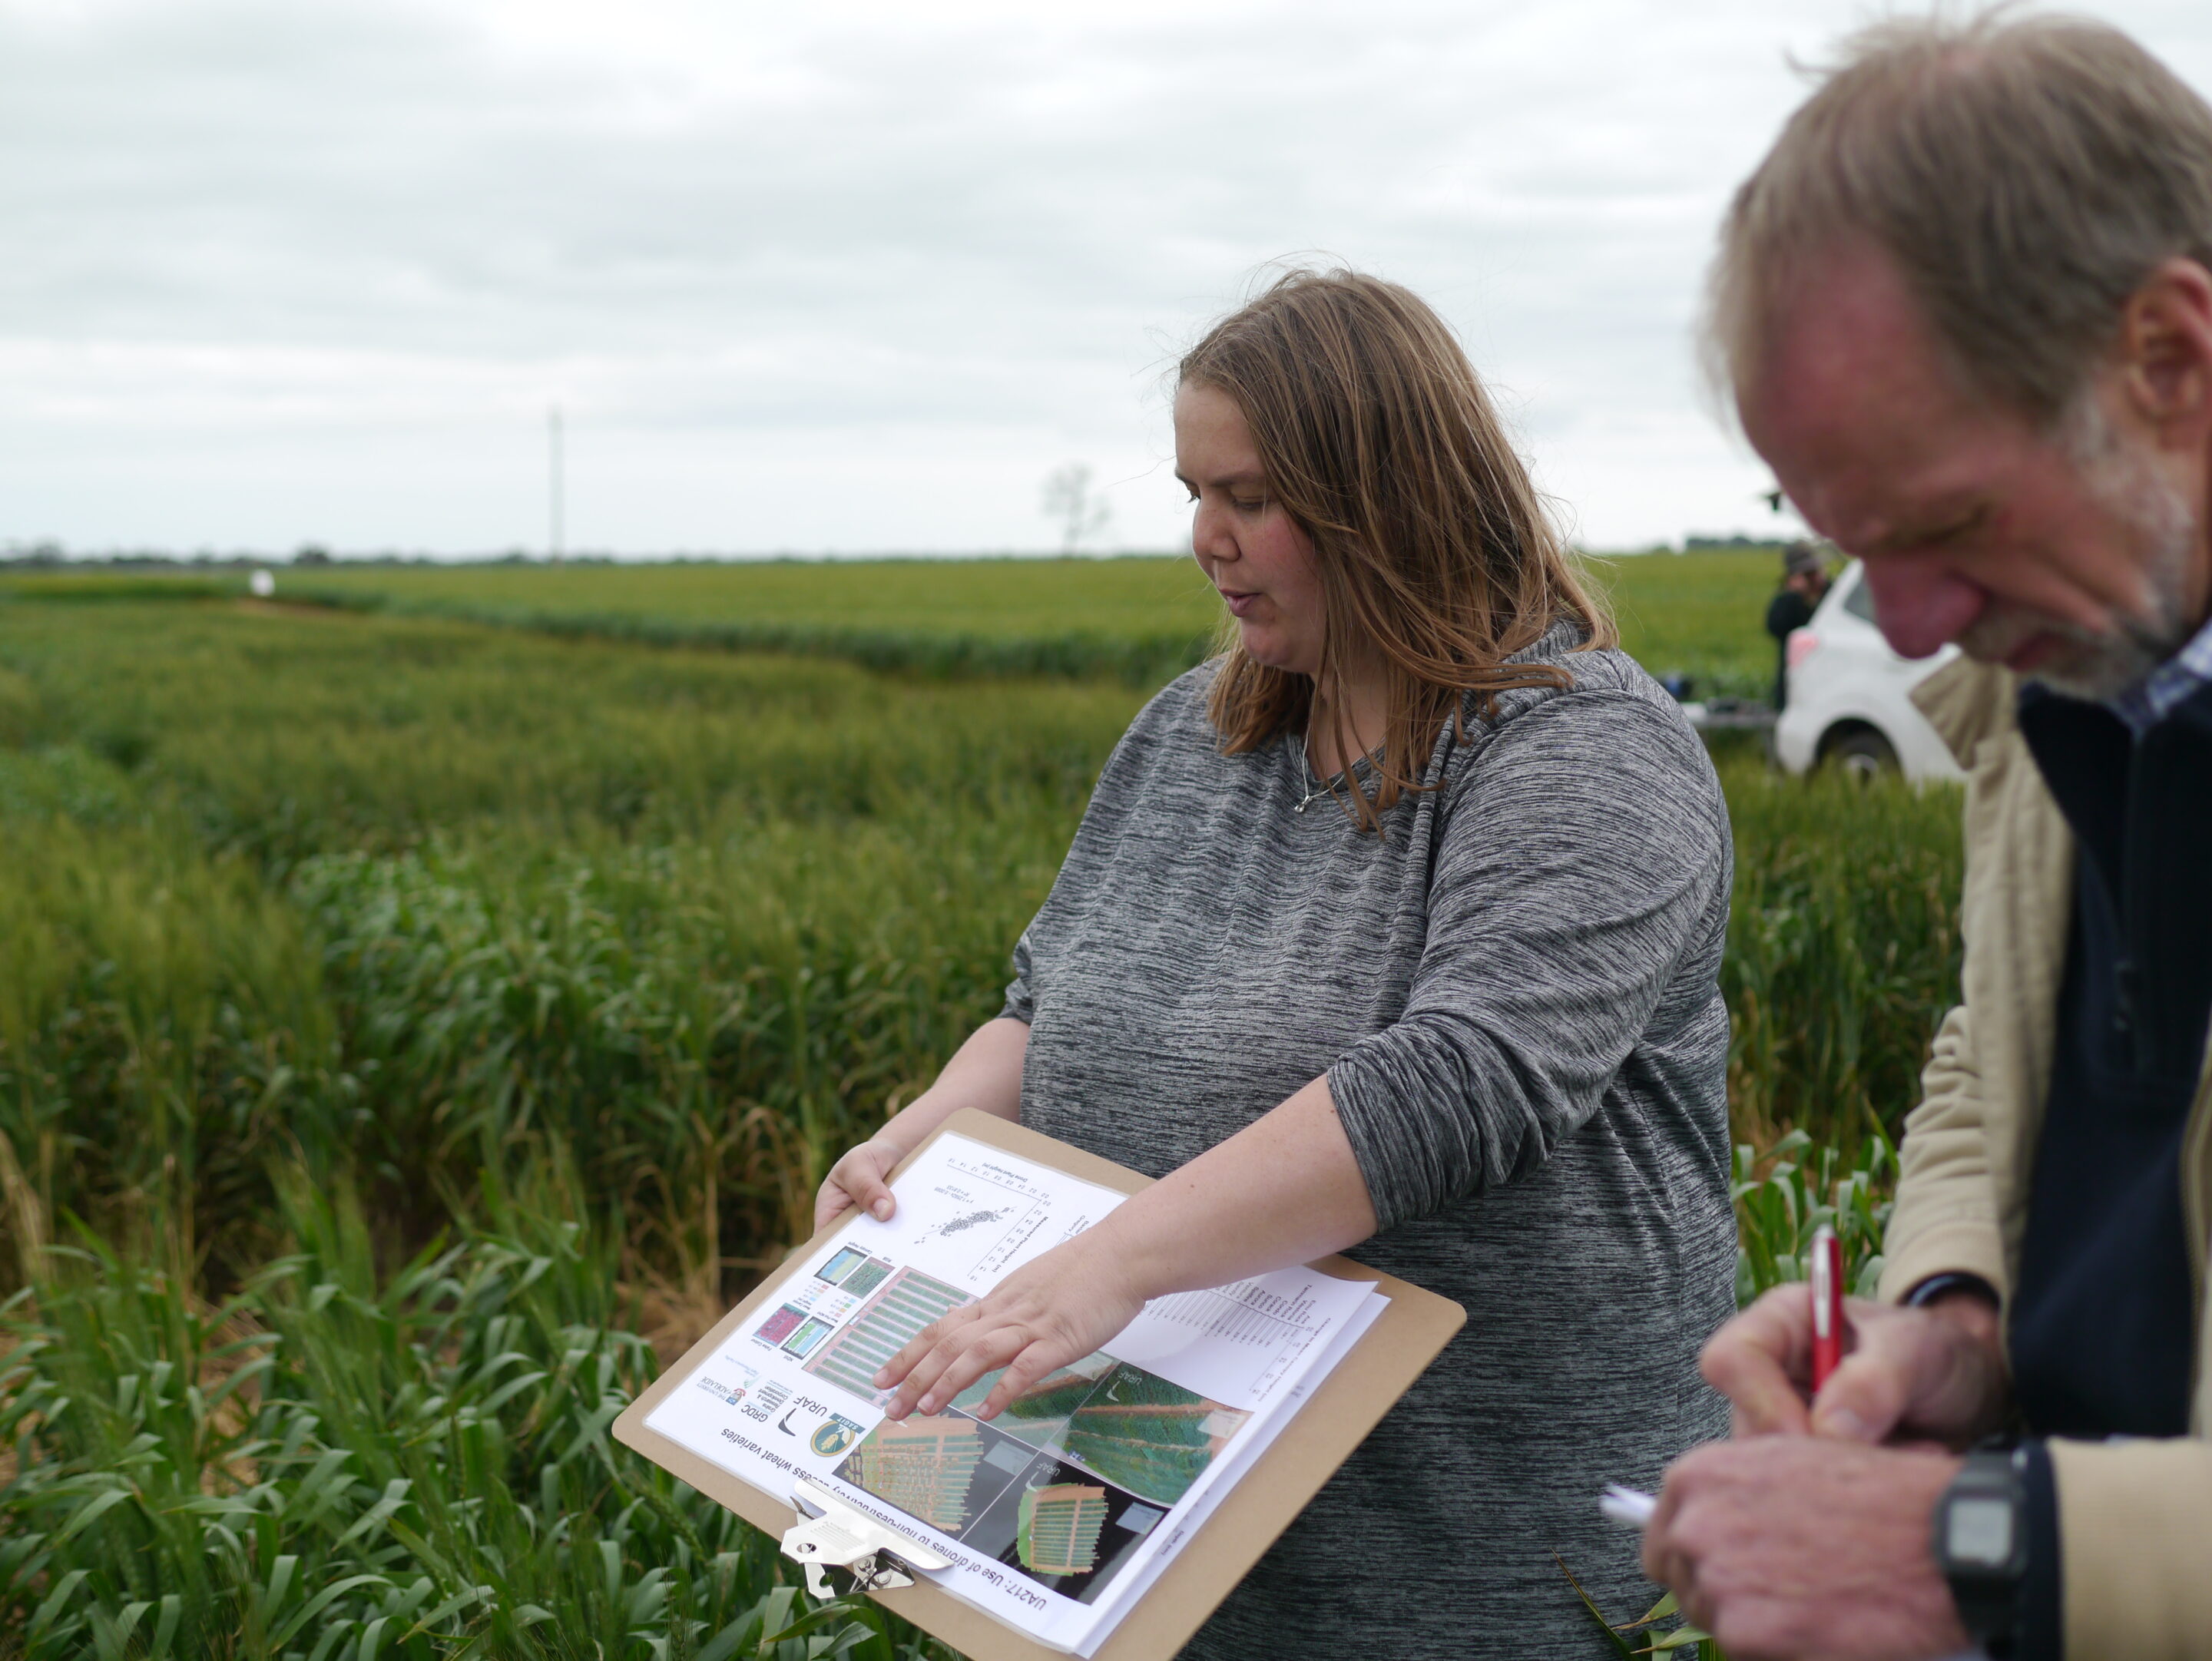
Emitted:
<point x="1221" y="1478"/>
<point x="1058" y="1513"/>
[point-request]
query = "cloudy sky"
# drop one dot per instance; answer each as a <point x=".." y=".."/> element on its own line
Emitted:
<point x="846" y="275"/>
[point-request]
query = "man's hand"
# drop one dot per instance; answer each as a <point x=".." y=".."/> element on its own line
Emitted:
<point x="859" y="1179"/>
<point x="1793" y="1547"/>
<point x="1047" y="1313"/>
<point x="1912" y="1375"/>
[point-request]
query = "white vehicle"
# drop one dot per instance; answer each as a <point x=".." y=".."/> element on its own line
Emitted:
<point x="1848" y="694"/>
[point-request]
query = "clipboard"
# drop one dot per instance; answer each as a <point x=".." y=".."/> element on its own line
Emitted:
<point x="1336" y="1417"/>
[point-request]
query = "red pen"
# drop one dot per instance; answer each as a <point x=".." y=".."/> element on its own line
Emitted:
<point x="1827" y="1273"/>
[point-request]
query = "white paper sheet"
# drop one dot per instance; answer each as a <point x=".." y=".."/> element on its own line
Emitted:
<point x="1223" y="1478"/>
<point x="1059" y="1511"/>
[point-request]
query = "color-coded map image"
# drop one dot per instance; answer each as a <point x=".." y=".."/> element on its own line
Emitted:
<point x="782" y="1324"/>
<point x="847" y="1258"/>
<point x="868" y="1277"/>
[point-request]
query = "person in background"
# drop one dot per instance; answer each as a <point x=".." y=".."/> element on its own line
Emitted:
<point x="1398" y="926"/>
<point x="1804" y="580"/>
<point x="1965" y="307"/>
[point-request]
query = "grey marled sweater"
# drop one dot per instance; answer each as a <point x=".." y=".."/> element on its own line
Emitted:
<point x="1514" y="993"/>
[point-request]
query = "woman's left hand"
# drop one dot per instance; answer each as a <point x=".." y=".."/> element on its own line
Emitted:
<point x="1047" y="1313"/>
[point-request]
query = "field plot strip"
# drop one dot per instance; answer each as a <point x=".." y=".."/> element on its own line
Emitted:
<point x="887" y="1323"/>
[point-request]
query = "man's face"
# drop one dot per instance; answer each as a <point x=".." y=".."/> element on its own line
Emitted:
<point x="2079" y="563"/>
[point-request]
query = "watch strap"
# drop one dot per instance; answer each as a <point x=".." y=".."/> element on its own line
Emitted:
<point x="1951" y="1280"/>
<point x="2040" y="1635"/>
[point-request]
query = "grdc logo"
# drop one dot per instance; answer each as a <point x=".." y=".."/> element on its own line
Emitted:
<point x="768" y="1397"/>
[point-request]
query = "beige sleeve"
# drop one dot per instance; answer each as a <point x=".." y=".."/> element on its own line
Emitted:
<point x="1946" y="1217"/>
<point x="2135" y="1531"/>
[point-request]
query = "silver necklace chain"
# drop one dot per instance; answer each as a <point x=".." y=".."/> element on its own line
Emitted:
<point x="1323" y="788"/>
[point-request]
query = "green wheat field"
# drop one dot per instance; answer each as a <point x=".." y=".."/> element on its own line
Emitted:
<point x="429" y="999"/>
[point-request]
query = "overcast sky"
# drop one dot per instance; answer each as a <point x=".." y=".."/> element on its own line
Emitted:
<point x="842" y="276"/>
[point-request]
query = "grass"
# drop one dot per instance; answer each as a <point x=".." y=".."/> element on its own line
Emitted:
<point x="1703" y="616"/>
<point x="1011" y="599"/>
<point x="1843" y="949"/>
<point x="346" y="950"/>
<point x="342" y="1464"/>
<point x="1140" y="619"/>
<point x="99" y="587"/>
<point x="407" y="894"/>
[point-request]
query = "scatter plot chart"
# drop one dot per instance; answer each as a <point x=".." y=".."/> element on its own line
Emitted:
<point x="961" y="1224"/>
<point x="1002" y="1213"/>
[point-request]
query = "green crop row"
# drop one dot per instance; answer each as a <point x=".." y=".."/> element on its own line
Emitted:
<point x="985" y="599"/>
<point x="343" y="1462"/>
<point x="1137" y="619"/>
<point x="404" y="893"/>
<point x="1139" y="659"/>
<point x="99" y="588"/>
<point x="1141" y="620"/>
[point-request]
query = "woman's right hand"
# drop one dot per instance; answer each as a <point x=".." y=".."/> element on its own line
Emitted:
<point x="985" y="1072"/>
<point x="859" y="1181"/>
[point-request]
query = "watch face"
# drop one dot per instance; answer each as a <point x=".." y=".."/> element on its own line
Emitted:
<point x="1977" y="1532"/>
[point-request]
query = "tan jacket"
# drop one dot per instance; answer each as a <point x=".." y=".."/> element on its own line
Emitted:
<point x="2134" y="1518"/>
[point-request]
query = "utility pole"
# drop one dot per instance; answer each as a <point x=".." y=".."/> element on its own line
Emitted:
<point x="555" y="504"/>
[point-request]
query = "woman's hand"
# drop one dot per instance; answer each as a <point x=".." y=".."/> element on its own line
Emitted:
<point x="1047" y="1313"/>
<point x="1284" y="1190"/>
<point x="859" y="1179"/>
<point x="985" y="1074"/>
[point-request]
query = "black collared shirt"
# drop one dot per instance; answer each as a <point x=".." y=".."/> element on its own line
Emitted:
<point x="2102" y="1336"/>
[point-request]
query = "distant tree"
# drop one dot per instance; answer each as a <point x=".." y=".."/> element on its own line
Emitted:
<point x="1080" y="511"/>
<point x="312" y="554"/>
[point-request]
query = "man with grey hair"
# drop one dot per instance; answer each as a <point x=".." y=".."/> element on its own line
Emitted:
<point x="1965" y="310"/>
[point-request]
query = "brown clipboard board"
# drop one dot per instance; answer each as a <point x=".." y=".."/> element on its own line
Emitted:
<point x="1335" y="1419"/>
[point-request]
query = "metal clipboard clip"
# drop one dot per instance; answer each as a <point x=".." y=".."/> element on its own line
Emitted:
<point x="831" y="1534"/>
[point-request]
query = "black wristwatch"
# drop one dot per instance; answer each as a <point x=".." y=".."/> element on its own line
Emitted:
<point x="1981" y="1545"/>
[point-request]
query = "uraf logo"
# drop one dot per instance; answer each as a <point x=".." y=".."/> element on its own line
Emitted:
<point x="835" y="1437"/>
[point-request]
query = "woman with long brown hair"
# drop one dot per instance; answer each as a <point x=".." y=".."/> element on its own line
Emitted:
<point x="1398" y="926"/>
